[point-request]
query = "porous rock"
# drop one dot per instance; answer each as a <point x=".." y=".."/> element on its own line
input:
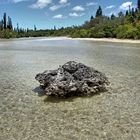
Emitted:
<point x="72" y="79"/>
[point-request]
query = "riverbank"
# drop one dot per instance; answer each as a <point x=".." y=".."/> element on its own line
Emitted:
<point x="114" y="40"/>
<point x="108" y="40"/>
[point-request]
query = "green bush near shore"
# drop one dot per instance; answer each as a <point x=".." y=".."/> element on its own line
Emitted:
<point x="8" y="34"/>
<point x="127" y="31"/>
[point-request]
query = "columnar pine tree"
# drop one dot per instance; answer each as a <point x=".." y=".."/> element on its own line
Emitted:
<point x="1" y="25"/>
<point x="34" y="27"/>
<point x="139" y="5"/>
<point x="112" y="17"/>
<point x="99" y="12"/>
<point x="126" y="14"/>
<point x="91" y="18"/>
<point x="17" y="27"/>
<point x="9" y="23"/>
<point x="120" y="14"/>
<point x="4" y="21"/>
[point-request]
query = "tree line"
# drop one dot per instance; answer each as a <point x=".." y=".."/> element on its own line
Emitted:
<point x="121" y="26"/>
<point x="124" y="25"/>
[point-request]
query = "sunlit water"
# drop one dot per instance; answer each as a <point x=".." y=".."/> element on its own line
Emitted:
<point x="113" y="115"/>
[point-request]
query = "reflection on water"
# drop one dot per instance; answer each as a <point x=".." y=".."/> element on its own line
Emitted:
<point x="110" y="115"/>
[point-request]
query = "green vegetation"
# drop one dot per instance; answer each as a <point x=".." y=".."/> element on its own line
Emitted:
<point x="125" y="26"/>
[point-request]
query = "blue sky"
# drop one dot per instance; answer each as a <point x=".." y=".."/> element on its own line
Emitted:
<point x="46" y="14"/>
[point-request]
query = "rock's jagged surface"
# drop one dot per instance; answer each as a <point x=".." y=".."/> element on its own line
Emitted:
<point x="72" y="79"/>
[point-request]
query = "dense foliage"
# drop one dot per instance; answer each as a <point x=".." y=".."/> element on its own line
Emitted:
<point x="125" y="26"/>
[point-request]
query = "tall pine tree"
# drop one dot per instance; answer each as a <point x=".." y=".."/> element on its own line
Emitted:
<point x="99" y="12"/>
<point x="9" y="23"/>
<point x="139" y="5"/>
<point x="4" y="21"/>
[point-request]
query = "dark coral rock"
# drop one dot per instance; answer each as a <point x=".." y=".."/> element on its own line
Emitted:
<point x="72" y="79"/>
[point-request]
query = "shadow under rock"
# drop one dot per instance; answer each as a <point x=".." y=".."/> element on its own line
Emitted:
<point x="39" y="91"/>
<point x="54" y="99"/>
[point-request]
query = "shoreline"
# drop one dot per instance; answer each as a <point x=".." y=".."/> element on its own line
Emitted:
<point x="114" y="40"/>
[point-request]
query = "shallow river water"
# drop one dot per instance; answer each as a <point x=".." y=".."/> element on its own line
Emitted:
<point x="112" y="115"/>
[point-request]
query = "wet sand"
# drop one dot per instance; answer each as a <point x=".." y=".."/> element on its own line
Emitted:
<point x="112" y="115"/>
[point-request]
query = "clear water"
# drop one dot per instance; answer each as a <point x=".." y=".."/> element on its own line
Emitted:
<point x="111" y="115"/>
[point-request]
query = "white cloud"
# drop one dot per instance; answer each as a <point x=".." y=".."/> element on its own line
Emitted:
<point x="17" y="1"/>
<point x="78" y="8"/>
<point x="125" y="5"/>
<point x="75" y="14"/>
<point x="63" y="1"/>
<point x="56" y="7"/>
<point x="40" y="4"/>
<point x="110" y="7"/>
<point x="58" y="16"/>
<point x="91" y="3"/>
<point x="12" y="1"/>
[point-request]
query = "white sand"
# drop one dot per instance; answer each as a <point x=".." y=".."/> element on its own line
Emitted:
<point x="93" y="39"/>
<point x="108" y="40"/>
<point x="84" y="39"/>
